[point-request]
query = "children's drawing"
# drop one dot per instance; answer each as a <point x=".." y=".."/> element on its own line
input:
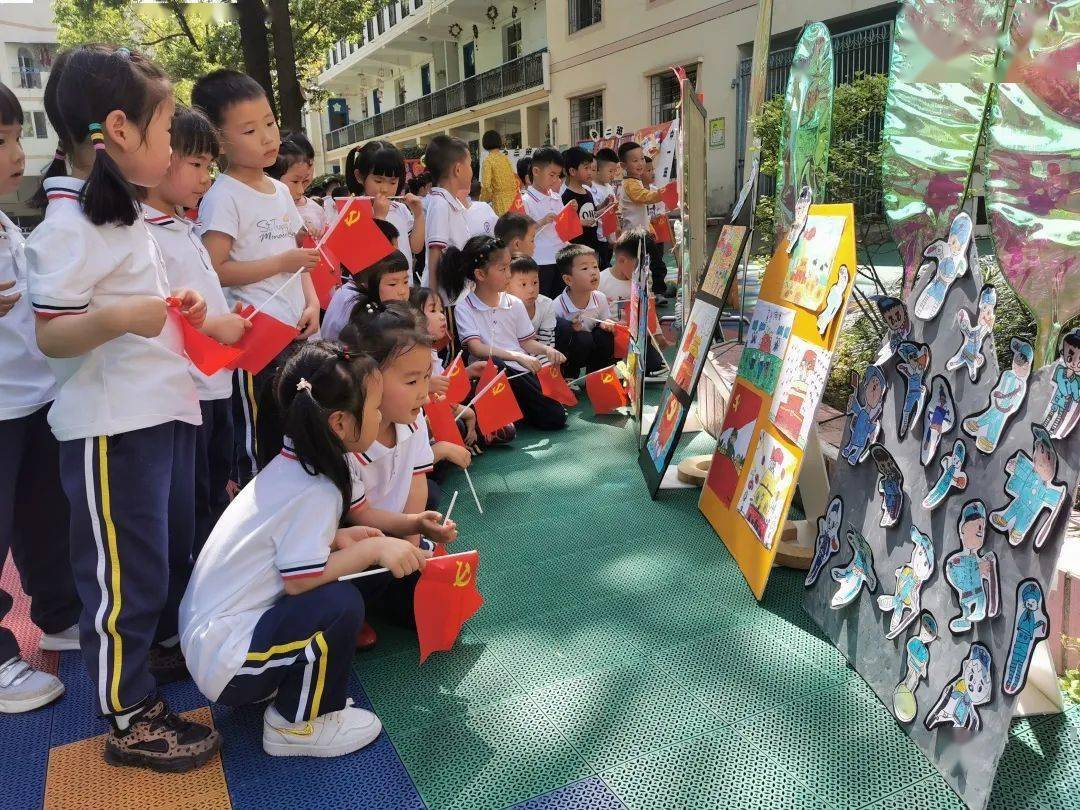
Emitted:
<point x="858" y="571"/>
<point x="890" y="484"/>
<point x="807" y="280"/>
<point x="973" y="575"/>
<point x="939" y="418"/>
<point x="952" y="476"/>
<point x="798" y="390"/>
<point x="905" y="601"/>
<point x="661" y="436"/>
<point x="1030" y="626"/>
<point x="865" y="407"/>
<point x="894" y="312"/>
<point x="1008" y="395"/>
<point x="834" y="300"/>
<point x="972" y="687"/>
<point x="828" y="538"/>
<point x="905" y="704"/>
<point x="725" y="257"/>
<point x="734" y="442"/>
<point x="694" y="343"/>
<point x="770" y="328"/>
<point x="970" y="354"/>
<point x="914" y="367"/>
<point x="764" y="497"/>
<point x="951" y="258"/>
<point x="802" y="213"/>
<point x="1032" y="488"/>
<point x="1063" y="412"/>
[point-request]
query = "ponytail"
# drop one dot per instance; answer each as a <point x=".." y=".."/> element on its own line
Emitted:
<point x="107" y="197"/>
<point x="352" y="182"/>
<point x="57" y="168"/>
<point x="384" y="331"/>
<point x="458" y="266"/>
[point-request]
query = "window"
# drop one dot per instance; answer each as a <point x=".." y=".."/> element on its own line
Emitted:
<point x="425" y="79"/>
<point x="512" y="41"/>
<point x="664" y="93"/>
<point x="586" y="113"/>
<point x="34" y="125"/>
<point x="399" y="88"/>
<point x="404" y="8"/>
<point x="583" y="13"/>
<point x="468" y="54"/>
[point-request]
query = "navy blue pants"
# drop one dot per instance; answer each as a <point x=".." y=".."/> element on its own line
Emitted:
<point x="302" y="647"/>
<point x="551" y="283"/>
<point x="213" y="466"/>
<point x="658" y="269"/>
<point x="132" y="499"/>
<point x="34" y="526"/>
<point x="592" y="348"/>
<point x="538" y="411"/>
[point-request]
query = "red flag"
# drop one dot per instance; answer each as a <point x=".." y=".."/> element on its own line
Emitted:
<point x="264" y="341"/>
<point x="355" y="238"/>
<point x="441" y="423"/>
<point x="605" y="390"/>
<point x="326" y="277"/>
<point x="517" y="206"/>
<point x="192" y="213"/>
<point x="496" y="407"/>
<point x="653" y="323"/>
<point x="622" y="341"/>
<point x="568" y="223"/>
<point x="555" y="387"/>
<point x="609" y="220"/>
<point x="487" y="375"/>
<point x="671" y="195"/>
<point x="459" y="381"/>
<point x="365" y="202"/>
<point x="444" y="599"/>
<point x="203" y="351"/>
<point x="662" y="228"/>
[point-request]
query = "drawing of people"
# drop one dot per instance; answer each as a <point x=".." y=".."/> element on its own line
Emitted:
<point x="951" y="258"/>
<point x="973" y="576"/>
<point x="864" y="414"/>
<point x="972" y="688"/>
<point x="970" y="353"/>
<point x="1032" y="489"/>
<point x="1031" y="627"/>
<point x="938" y="421"/>
<point x="917" y="649"/>
<point x="1063" y="411"/>
<point x="913" y="368"/>
<point x="1008" y="395"/>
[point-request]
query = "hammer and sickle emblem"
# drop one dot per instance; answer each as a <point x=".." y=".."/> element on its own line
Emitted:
<point x="463" y="574"/>
<point x="498" y="389"/>
<point x="455" y="370"/>
<point x="608" y="378"/>
<point x="351" y="218"/>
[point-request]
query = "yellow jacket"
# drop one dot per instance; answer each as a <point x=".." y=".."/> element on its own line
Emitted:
<point x="498" y="182"/>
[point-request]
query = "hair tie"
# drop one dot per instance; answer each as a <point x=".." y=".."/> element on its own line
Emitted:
<point x="59" y="154"/>
<point x="374" y="307"/>
<point x="343" y="354"/>
<point x="97" y="137"/>
<point x="123" y="52"/>
<point x="303" y="385"/>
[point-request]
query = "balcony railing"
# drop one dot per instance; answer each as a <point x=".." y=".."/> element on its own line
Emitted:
<point x="29" y="78"/>
<point x="505" y="80"/>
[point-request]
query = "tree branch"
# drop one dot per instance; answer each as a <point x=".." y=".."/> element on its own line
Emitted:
<point x="166" y="38"/>
<point x="177" y="8"/>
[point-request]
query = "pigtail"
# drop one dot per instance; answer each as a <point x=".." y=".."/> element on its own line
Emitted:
<point x="57" y="168"/>
<point x="107" y="197"/>
<point x="352" y="182"/>
<point x="384" y="331"/>
<point x="454" y="271"/>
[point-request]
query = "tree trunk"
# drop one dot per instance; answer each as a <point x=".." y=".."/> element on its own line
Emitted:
<point x="292" y="100"/>
<point x="252" y="20"/>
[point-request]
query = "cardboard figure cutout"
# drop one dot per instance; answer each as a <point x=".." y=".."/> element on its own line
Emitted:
<point x="897" y="321"/>
<point x="905" y="704"/>
<point x="864" y="414"/>
<point x="914" y="367"/>
<point x="951" y="257"/>
<point x="1063" y="411"/>
<point x="802" y="213"/>
<point x="834" y="300"/>
<point x="905" y="601"/>
<point x="859" y="570"/>
<point x="828" y="539"/>
<point x="987" y="426"/>
<point x="939" y="418"/>
<point x="972" y="687"/>
<point x="952" y="475"/>
<point x="970" y="354"/>
<point x="974" y="576"/>
<point x="1030" y="626"/>
<point x="890" y="484"/>
<point x="1033" y="489"/>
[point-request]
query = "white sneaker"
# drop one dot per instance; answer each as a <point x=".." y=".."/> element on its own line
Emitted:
<point x="64" y="641"/>
<point x="329" y="735"/>
<point x="23" y="688"/>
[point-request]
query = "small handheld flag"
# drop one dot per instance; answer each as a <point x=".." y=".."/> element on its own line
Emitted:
<point x="517" y="206"/>
<point x="609" y="220"/>
<point x="671" y="195"/>
<point x="205" y="353"/>
<point x="264" y="341"/>
<point x="489" y="373"/>
<point x="459" y="381"/>
<point x="555" y="387"/>
<point x="661" y="228"/>
<point x="441" y="422"/>
<point x="326" y="277"/>
<point x="605" y="390"/>
<point x="444" y="599"/>
<point x="496" y="406"/>
<point x="622" y="341"/>
<point x="355" y="238"/>
<point x="568" y="223"/>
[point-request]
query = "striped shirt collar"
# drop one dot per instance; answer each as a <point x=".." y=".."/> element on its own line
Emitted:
<point x="379" y="450"/>
<point x="505" y="302"/>
<point x="572" y="308"/>
<point x="551" y="196"/>
<point x="454" y="202"/>
<point x="171" y="221"/>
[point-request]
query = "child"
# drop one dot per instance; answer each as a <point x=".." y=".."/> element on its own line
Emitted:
<point x="481" y="217"/>
<point x="450" y="165"/>
<point x="525" y="284"/>
<point x="295" y="167"/>
<point x="33" y="510"/>
<point x="524" y="172"/>
<point x="264" y="617"/>
<point x="194" y="148"/>
<point x="542" y="203"/>
<point x="420" y="185"/>
<point x="126" y="411"/>
<point x="386" y="280"/>
<point x="656" y="252"/>
<point x="635" y="197"/>
<point x="586" y="308"/>
<point x="492" y="323"/>
<point x="607" y="163"/>
<point x="497" y="181"/>
<point x="518" y="233"/>
<point x="249" y="225"/>
<point x="615" y="284"/>
<point x="580" y="167"/>
<point x="377" y="170"/>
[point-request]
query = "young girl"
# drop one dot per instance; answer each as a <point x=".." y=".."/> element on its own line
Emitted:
<point x="492" y="323"/>
<point x="126" y="409"/>
<point x="249" y="225"/>
<point x="295" y="168"/>
<point x="386" y="280"/>
<point x="377" y="170"/>
<point x="264" y="616"/>
<point x="450" y="164"/>
<point x="33" y="510"/>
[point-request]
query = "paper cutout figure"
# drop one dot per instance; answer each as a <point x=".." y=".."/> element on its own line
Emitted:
<point x="811" y="263"/>
<point x="906" y="600"/>
<point x="1030" y="626"/>
<point x="1063" y="411"/>
<point x="890" y="484"/>
<point x="1033" y="488"/>
<point x="972" y="687"/>
<point x="970" y="354"/>
<point x="951" y="260"/>
<point x="974" y="576"/>
<point x="914" y="367"/>
<point x="895" y="314"/>
<point x="865" y="407"/>
<point x="798" y="389"/>
<point x="939" y="419"/>
<point x="828" y="538"/>
<point x="858" y="571"/>
<point x="1008" y="395"/>
<point x="952" y="475"/>
<point x="834" y="300"/>
<point x="905" y="704"/>
<point x="765" y="494"/>
<point x="802" y="212"/>
<point x="770" y="328"/>
<point x="734" y="442"/>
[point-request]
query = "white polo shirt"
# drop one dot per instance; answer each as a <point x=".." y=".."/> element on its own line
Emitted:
<point x="187" y="264"/>
<point x="602" y="194"/>
<point x="401" y="218"/>
<point x="312" y="215"/>
<point x="504" y="326"/>
<point x="261" y="226"/>
<point x="481" y="218"/>
<point x="444" y="223"/>
<point x="597" y="308"/>
<point x="74" y="267"/>
<point x="543" y="320"/>
<point x="548" y="241"/>
<point x="279" y="527"/>
<point x="387" y="472"/>
<point x="26" y="383"/>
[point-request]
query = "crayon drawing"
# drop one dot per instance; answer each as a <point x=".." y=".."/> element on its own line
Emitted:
<point x="810" y="269"/>
<point x="694" y="344"/>
<point x="734" y="442"/>
<point x="798" y="391"/>
<point x="767" y="485"/>
<point x="770" y="328"/>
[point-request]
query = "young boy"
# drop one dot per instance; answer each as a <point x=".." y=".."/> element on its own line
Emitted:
<point x="607" y="163"/>
<point x="518" y="233"/>
<point x="524" y="172"/>
<point x="635" y="199"/>
<point x="525" y="284"/>
<point x="586" y="308"/>
<point x="543" y="203"/>
<point x="656" y="253"/>
<point x="580" y="167"/>
<point x="615" y="283"/>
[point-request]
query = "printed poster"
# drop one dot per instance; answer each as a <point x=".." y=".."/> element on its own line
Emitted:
<point x="763" y="498"/>
<point x="662" y="436"/>
<point x="799" y="389"/>
<point x="807" y="280"/>
<point x="770" y="328"/>
<point x="694" y="344"/>
<point x="734" y="442"/>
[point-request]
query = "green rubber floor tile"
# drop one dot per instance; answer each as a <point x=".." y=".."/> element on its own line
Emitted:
<point x="842" y="744"/>
<point x="720" y="770"/>
<point x="1041" y="766"/>
<point x="801" y="635"/>
<point x="721" y="579"/>
<point x="619" y="714"/>
<point x="407" y="694"/>
<point x="932" y="793"/>
<point x="489" y="759"/>
<point x="510" y="595"/>
<point x="391" y="639"/>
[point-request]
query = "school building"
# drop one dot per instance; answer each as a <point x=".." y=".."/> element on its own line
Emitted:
<point x="554" y="71"/>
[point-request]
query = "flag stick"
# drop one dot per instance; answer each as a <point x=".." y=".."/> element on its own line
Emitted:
<point x="275" y="294"/>
<point x="373" y="571"/>
<point x="473" y="489"/>
<point x="450" y="509"/>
